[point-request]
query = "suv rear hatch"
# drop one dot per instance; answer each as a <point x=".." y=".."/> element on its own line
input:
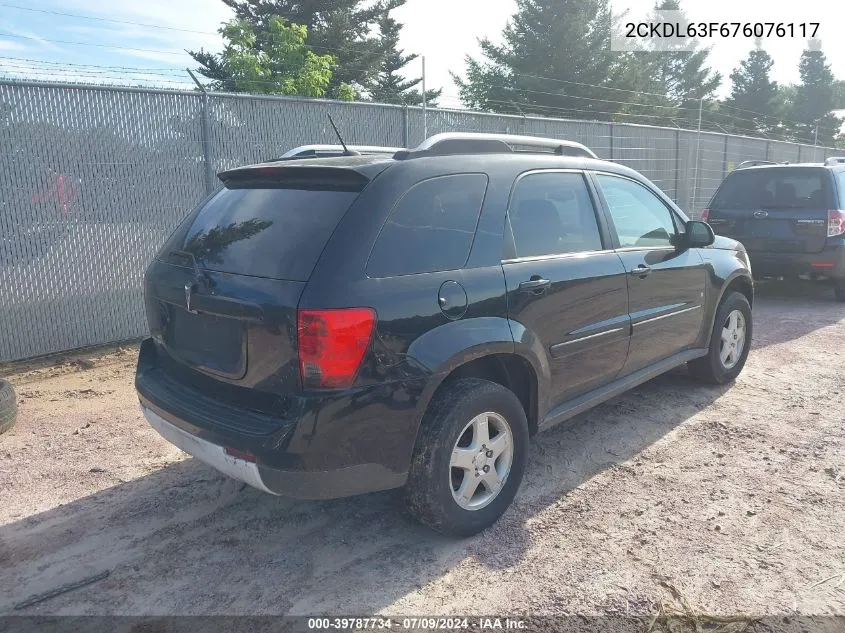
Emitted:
<point x="222" y="295"/>
<point x="774" y="209"/>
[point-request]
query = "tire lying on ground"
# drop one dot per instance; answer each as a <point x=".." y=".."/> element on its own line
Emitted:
<point x="8" y="406"/>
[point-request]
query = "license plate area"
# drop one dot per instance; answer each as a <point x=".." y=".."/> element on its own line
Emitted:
<point x="213" y="344"/>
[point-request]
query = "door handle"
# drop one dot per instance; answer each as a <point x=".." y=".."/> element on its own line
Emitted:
<point x="642" y="271"/>
<point x="536" y="285"/>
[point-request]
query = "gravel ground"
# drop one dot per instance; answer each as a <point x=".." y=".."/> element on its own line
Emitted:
<point x="732" y="496"/>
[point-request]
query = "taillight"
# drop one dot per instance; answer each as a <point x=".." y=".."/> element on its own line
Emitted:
<point x="835" y="223"/>
<point x="705" y="214"/>
<point x="332" y="344"/>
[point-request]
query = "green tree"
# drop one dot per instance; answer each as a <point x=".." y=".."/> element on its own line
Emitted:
<point x="839" y="95"/>
<point x="345" y="29"/>
<point x="754" y="100"/>
<point x="555" y="61"/>
<point x="390" y="85"/>
<point x="279" y="63"/>
<point x="685" y="79"/>
<point x="815" y="98"/>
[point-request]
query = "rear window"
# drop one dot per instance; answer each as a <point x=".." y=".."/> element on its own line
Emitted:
<point x="263" y="232"/>
<point x="431" y="228"/>
<point x="776" y="188"/>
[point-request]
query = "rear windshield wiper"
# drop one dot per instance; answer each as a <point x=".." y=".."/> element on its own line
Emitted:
<point x="199" y="272"/>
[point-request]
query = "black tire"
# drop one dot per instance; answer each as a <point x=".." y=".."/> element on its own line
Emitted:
<point x="710" y="369"/>
<point x="8" y="406"/>
<point x="428" y="492"/>
<point x="839" y="290"/>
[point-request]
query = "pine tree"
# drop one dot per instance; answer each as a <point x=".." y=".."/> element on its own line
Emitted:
<point x="753" y="104"/>
<point x="685" y="79"/>
<point x="555" y="61"/>
<point x="814" y="98"/>
<point x="390" y="86"/>
<point x="341" y="28"/>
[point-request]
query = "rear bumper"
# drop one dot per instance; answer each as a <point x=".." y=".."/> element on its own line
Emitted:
<point x="828" y="263"/>
<point x="325" y="447"/>
<point x="329" y="484"/>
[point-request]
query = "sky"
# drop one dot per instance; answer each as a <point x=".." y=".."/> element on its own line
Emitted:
<point x="444" y="31"/>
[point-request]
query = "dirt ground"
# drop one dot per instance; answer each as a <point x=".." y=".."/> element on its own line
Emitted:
<point x="735" y="496"/>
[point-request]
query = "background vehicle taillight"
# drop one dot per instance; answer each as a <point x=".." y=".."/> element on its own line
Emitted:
<point x="835" y="223"/>
<point x="332" y="344"/>
<point x="705" y="215"/>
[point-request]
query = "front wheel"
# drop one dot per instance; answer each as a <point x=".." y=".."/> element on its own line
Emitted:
<point x="729" y="343"/>
<point x="469" y="458"/>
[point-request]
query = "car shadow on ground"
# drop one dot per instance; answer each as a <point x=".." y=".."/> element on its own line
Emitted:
<point x="186" y="540"/>
<point x="810" y="306"/>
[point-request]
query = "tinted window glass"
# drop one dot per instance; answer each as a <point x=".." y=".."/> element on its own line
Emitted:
<point x="277" y="233"/>
<point x="640" y="217"/>
<point x="552" y="214"/>
<point x="431" y="228"/>
<point x="777" y="188"/>
<point x="840" y="178"/>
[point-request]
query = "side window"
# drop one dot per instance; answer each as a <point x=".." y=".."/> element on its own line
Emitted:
<point x="552" y="214"/>
<point x="840" y="177"/>
<point x="431" y="228"/>
<point x="640" y="217"/>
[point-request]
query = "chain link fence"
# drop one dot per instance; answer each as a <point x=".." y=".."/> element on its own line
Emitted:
<point x="93" y="179"/>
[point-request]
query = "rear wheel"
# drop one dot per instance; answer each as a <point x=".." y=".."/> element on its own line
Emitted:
<point x="729" y="343"/>
<point x="469" y="458"/>
<point x="839" y="290"/>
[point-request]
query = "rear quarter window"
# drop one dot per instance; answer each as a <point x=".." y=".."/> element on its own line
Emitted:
<point x="840" y="182"/>
<point x="431" y="228"/>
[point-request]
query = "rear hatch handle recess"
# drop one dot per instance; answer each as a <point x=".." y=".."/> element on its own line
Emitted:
<point x="211" y="304"/>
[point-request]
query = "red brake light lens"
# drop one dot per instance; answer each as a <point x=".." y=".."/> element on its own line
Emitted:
<point x="332" y="344"/>
<point x="705" y="214"/>
<point x="835" y="223"/>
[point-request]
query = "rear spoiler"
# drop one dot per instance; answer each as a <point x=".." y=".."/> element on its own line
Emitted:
<point x="835" y="160"/>
<point x="316" y="177"/>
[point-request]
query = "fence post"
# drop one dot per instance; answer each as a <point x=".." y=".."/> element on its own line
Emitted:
<point x="611" y="140"/>
<point x="725" y="158"/>
<point x="206" y="136"/>
<point x="677" y="162"/>
<point x="405" y="126"/>
<point x="206" y="145"/>
<point x="768" y="144"/>
<point x="799" y="153"/>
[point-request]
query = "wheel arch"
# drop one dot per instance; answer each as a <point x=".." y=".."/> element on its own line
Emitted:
<point x="499" y="364"/>
<point x="740" y="282"/>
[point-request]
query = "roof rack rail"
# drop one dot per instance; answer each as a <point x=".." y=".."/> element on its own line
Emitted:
<point x="327" y="151"/>
<point x="755" y="163"/>
<point x="835" y="160"/>
<point x="451" y="143"/>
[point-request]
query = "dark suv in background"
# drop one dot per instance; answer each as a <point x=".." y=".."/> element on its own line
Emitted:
<point x="333" y="326"/>
<point x="790" y="218"/>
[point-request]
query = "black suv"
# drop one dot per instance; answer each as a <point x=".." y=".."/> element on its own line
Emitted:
<point x="333" y="326"/>
<point x="791" y="218"/>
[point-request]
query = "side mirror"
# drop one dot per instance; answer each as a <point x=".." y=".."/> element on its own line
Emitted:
<point x="699" y="234"/>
